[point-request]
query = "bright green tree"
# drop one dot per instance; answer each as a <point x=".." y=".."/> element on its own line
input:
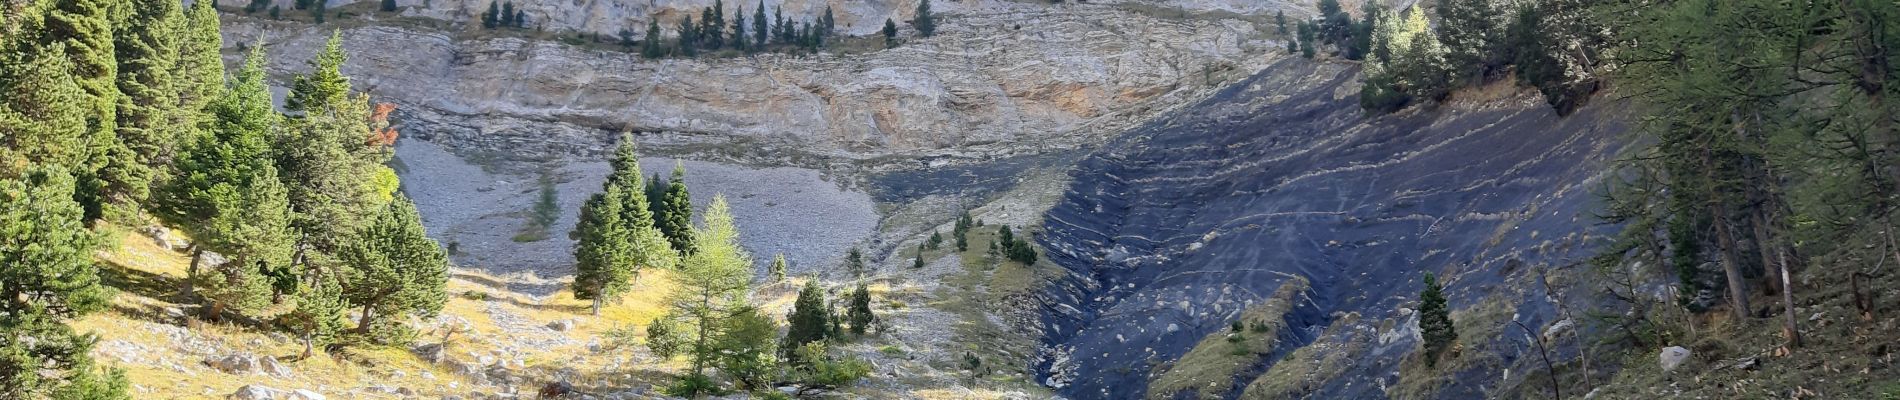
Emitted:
<point x="394" y="270"/>
<point x="746" y="352"/>
<point x="200" y="67"/>
<point x="1471" y="32"/>
<point x="150" y="121"/>
<point x="603" y="265"/>
<point x="778" y="268"/>
<point x="82" y="30"/>
<point x="713" y="284"/>
<point x="335" y="175"/>
<point x="318" y="319"/>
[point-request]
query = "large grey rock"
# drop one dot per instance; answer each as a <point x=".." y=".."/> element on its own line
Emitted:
<point x="236" y="364"/>
<point x="269" y="366"/>
<point x="431" y="352"/>
<point x="259" y="392"/>
<point x="1673" y="357"/>
<point x="562" y="325"/>
<point x="301" y="394"/>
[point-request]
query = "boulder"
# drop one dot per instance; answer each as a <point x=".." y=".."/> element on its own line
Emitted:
<point x="562" y="325"/>
<point x="431" y="352"/>
<point x="301" y="394"/>
<point x="236" y="364"/>
<point x="1672" y="357"/>
<point x="556" y="389"/>
<point x="270" y="366"/>
<point x="259" y="392"/>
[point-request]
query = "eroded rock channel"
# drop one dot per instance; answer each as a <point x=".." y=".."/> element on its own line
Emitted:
<point x="1175" y="227"/>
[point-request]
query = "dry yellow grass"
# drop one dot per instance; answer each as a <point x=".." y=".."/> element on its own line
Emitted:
<point x="164" y="360"/>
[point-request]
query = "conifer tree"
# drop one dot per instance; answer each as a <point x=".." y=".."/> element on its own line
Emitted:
<point x="83" y="30"/>
<point x="650" y="46"/>
<point x="712" y="285"/>
<point x="200" y="65"/>
<point x="1434" y="320"/>
<point x="714" y="22"/>
<point x="318" y="319"/>
<point x="507" y="14"/>
<point x="808" y="320"/>
<point x="229" y="198"/>
<point x="677" y="221"/>
<point x="43" y="116"/>
<point x="50" y="276"/>
<point x="890" y="33"/>
<point x="860" y="311"/>
<point x="323" y="7"/>
<point x="778" y="24"/>
<point x="854" y="262"/>
<point x="926" y="23"/>
<point x="389" y="6"/>
<point x="323" y="159"/>
<point x="521" y="18"/>
<point x="778" y="268"/>
<point x="760" y="32"/>
<point x="395" y="270"/>
<point x="1279" y="19"/>
<point x="687" y="43"/>
<point x="603" y="265"/>
<point x="918" y="263"/>
<point x="739" y="36"/>
<point x="490" y="18"/>
<point x="828" y="24"/>
<point x="149" y="120"/>
<point x="1470" y="32"/>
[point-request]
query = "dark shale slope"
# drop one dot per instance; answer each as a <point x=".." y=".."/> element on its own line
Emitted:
<point x="1172" y="229"/>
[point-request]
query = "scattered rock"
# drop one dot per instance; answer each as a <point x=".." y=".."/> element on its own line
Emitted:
<point x="1748" y="364"/>
<point x="301" y="394"/>
<point x="235" y="364"/>
<point x="270" y="366"/>
<point x="431" y="352"/>
<point x="259" y="392"/>
<point x="562" y="325"/>
<point x="556" y="389"/>
<point x="1672" y="357"/>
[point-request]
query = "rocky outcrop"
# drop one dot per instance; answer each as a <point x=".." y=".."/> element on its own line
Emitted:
<point x="1000" y="78"/>
<point x="1177" y="226"/>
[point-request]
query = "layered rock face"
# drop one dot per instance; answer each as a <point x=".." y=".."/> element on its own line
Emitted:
<point x="1175" y="227"/>
<point x="999" y="78"/>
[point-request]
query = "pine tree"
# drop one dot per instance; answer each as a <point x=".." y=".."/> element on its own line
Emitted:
<point x="926" y="23"/>
<point x="1434" y="320"/>
<point x="603" y="266"/>
<point x="713" y="25"/>
<point x="860" y="311"/>
<point x="323" y="7"/>
<point x="1279" y="20"/>
<point x="318" y="319"/>
<point x="50" y="276"/>
<point x="490" y="18"/>
<point x="149" y="119"/>
<point x="395" y="271"/>
<point x="42" y="117"/>
<point x="778" y="268"/>
<point x="1307" y="36"/>
<point x="808" y="321"/>
<point x="760" y="32"/>
<point x="323" y="159"/>
<point x="918" y="263"/>
<point x="228" y="197"/>
<point x="890" y="33"/>
<point x="650" y="46"/>
<point x="507" y="17"/>
<point x="687" y="44"/>
<point x="712" y="284"/>
<point x="828" y="24"/>
<point x="1469" y="30"/>
<point x="200" y="65"/>
<point x="276" y="13"/>
<point x="738" y="30"/>
<point x="389" y="6"/>
<point x="778" y="24"/>
<point x="745" y="348"/>
<point x="678" y="219"/>
<point x="521" y="18"/>
<point x="854" y="263"/>
<point x="83" y="30"/>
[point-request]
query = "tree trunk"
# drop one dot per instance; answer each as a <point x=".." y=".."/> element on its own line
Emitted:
<point x="1791" y="332"/>
<point x="308" y="346"/>
<point x="1737" y="286"/>
<point x="362" y="324"/>
<point x="191" y="273"/>
<point x="596" y="305"/>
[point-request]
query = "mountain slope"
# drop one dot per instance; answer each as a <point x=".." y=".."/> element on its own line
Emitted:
<point x="1174" y="228"/>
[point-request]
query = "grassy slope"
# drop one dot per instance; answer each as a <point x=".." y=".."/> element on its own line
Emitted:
<point x="167" y="364"/>
<point x="1210" y="367"/>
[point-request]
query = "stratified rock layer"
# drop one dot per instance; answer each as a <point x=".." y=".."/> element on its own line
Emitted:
<point x="1175" y="227"/>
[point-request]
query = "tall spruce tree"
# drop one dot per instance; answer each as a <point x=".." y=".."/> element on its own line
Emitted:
<point x="228" y="197"/>
<point x="778" y="268"/>
<point x="1470" y="32"/>
<point x="603" y="265"/>
<point x="324" y="159"/>
<point x="150" y="121"/>
<point x="46" y="262"/>
<point x="854" y="263"/>
<point x="651" y="46"/>
<point x="395" y="271"/>
<point x="688" y="42"/>
<point x="492" y="17"/>
<point x="828" y="24"/>
<point x="713" y="282"/>
<point x="739" y="36"/>
<point x="507" y="17"/>
<point x="82" y="30"/>
<point x="200" y="65"/>
<point x="890" y="33"/>
<point x="677" y="221"/>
